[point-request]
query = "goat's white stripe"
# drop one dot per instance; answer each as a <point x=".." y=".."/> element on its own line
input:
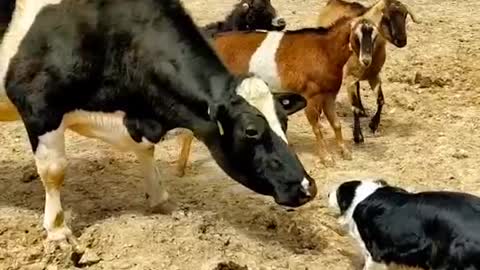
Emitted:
<point x="263" y="62"/>
<point x="22" y="19"/>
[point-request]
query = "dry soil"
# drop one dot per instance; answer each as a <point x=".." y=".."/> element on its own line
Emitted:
<point x="428" y="139"/>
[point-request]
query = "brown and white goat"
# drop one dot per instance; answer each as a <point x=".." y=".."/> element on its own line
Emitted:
<point x="306" y="61"/>
<point x="389" y="16"/>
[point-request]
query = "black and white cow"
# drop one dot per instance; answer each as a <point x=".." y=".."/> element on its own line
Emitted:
<point x="248" y="15"/>
<point x="6" y="11"/>
<point x="436" y="230"/>
<point x="126" y="72"/>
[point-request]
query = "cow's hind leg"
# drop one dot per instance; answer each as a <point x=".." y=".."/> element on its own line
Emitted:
<point x="155" y="191"/>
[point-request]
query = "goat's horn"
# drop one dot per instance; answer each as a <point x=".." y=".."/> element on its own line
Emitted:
<point x="412" y="14"/>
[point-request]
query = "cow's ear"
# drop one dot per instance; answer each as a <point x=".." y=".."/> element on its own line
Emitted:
<point x="218" y="113"/>
<point x="291" y="102"/>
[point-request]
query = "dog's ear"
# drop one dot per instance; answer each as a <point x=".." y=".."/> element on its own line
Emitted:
<point x="381" y="182"/>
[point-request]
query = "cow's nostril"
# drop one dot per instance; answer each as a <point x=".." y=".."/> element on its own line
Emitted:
<point x="279" y="22"/>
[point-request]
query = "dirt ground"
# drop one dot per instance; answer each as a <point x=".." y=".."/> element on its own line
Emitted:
<point x="428" y="139"/>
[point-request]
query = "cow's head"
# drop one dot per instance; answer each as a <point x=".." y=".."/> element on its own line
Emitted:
<point x="256" y="14"/>
<point x="251" y="146"/>
<point x="393" y="22"/>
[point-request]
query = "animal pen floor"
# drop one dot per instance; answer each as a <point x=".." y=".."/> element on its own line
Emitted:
<point x="428" y="140"/>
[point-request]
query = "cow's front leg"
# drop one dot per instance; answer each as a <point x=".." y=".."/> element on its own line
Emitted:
<point x="51" y="162"/>
<point x="155" y="191"/>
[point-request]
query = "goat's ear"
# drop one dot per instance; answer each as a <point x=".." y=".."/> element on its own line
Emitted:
<point x="353" y="22"/>
<point x="379" y="7"/>
<point x="412" y="14"/>
<point x="291" y="102"/>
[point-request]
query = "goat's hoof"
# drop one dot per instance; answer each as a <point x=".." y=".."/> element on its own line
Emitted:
<point x="373" y="125"/>
<point x="180" y="172"/>
<point x="327" y="161"/>
<point x="164" y="208"/>
<point x="346" y="154"/>
<point x="363" y="113"/>
<point x="358" y="138"/>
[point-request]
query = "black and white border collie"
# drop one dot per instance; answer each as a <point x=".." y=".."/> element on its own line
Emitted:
<point x="430" y="230"/>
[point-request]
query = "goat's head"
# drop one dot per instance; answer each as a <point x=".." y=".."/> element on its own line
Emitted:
<point x="257" y="14"/>
<point x="393" y="22"/>
<point x="251" y="145"/>
<point x="362" y="39"/>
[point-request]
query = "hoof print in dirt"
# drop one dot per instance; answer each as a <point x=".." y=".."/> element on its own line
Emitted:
<point x="88" y="258"/>
<point x="230" y="266"/>
<point x="29" y="174"/>
<point x="165" y="208"/>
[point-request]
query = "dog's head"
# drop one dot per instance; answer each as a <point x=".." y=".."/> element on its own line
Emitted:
<point x="345" y="197"/>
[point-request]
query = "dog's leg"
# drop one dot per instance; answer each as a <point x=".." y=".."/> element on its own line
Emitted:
<point x="372" y="265"/>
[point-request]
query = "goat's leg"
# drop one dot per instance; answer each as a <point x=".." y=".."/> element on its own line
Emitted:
<point x="355" y="103"/>
<point x="8" y="112"/>
<point x="329" y="109"/>
<point x="312" y="112"/>
<point x="155" y="191"/>
<point x="376" y="84"/>
<point x="372" y="265"/>
<point x="363" y="113"/>
<point x="186" y="141"/>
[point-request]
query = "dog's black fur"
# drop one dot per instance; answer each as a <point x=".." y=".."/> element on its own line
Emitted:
<point x="431" y="230"/>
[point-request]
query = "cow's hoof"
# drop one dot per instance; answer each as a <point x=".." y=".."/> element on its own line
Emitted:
<point x="63" y="242"/>
<point x="164" y="208"/>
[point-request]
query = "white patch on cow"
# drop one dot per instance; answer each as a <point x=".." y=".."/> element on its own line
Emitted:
<point x="306" y="186"/>
<point x="108" y="127"/>
<point x="263" y="62"/>
<point x="256" y="92"/>
<point x="22" y="19"/>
